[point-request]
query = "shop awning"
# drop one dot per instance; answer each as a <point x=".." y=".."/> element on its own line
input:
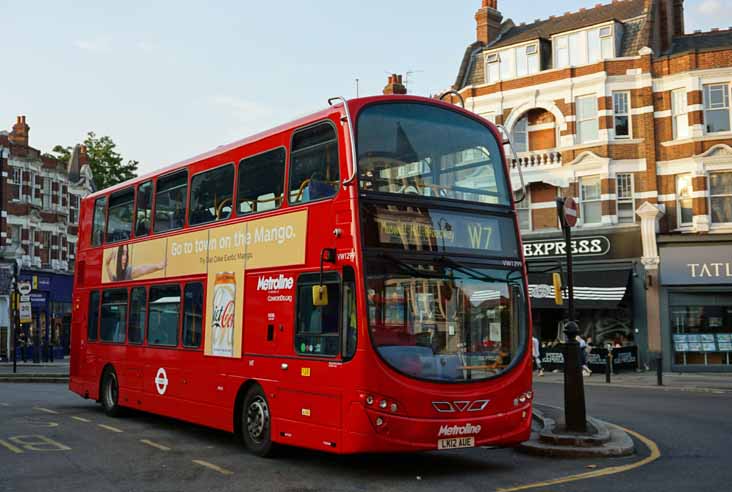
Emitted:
<point x="592" y="289"/>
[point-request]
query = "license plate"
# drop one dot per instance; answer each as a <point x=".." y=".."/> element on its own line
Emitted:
<point x="456" y="442"/>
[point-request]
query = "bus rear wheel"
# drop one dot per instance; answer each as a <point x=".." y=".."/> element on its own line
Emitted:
<point x="110" y="394"/>
<point x="256" y="422"/>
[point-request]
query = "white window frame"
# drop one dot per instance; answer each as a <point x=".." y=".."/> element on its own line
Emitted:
<point x="17" y="175"/>
<point x="593" y="116"/>
<point x="497" y="63"/>
<point x="680" y="197"/>
<point x="565" y="56"/>
<point x="711" y="215"/>
<point x="624" y="199"/>
<point x="627" y="114"/>
<point x="679" y="114"/>
<point x="584" y="201"/>
<point x="525" y="205"/>
<point x="725" y="106"/>
<point x="515" y="141"/>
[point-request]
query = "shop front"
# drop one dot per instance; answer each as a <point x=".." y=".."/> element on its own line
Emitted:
<point x="696" y="305"/>
<point x="608" y="290"/>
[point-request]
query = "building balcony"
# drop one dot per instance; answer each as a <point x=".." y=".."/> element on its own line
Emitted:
<point x="535" y="160"/>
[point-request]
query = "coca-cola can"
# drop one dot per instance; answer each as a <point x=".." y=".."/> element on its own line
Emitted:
<point x="224" y="308"/>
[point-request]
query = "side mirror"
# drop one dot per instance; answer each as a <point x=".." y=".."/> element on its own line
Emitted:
<point x="320" y="295"/>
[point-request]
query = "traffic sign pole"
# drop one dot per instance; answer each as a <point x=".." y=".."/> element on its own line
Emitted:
<point x="575" y="412"/>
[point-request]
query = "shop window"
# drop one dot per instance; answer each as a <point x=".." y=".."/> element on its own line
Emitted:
<point x="143" y="214"/>
<point x="100" y="206"/>
<point x="138" y="310"/>
<point x="163" y="315"/>
<point x="679" y="115"/>
<point x="170" y="201"/>
<point x="701" y="327"/>
<point x="93" y="316"/>
<point x="119" y="216"/>
<point x="720" y="197"/>
<point x="716" y="108"/>
<point x="211" y="195"/>
<point x="587" y="123"/>
<point x="314" y="172"/>
<point x="590" y="200"/>
<point x="193" y="315"/>
<point x="523" y="210"/>
<point x="317" y="330"/>
<point x="621" y="112"/>
<point x="626" y="203"/>
<point x="685" y="213"/>
<point x="114" y="316"/>
<point x="261" y="182"/>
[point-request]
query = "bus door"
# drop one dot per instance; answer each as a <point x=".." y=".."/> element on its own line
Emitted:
<point x="312" y="381"/>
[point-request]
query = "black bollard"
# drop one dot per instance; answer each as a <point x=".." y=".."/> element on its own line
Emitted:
<point x="659" y="368"/>
<point x="608" y="366"/>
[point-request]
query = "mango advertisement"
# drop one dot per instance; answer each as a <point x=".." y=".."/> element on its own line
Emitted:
<point x="223" y="254"/>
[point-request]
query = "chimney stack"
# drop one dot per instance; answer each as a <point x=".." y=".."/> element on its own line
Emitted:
<point x="488" y="22"/>
<point x="19" y="135"/>
<point x="679" y="18"/>
<point x="394" y="86"/>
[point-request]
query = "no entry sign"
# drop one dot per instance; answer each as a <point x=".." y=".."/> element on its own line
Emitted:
<point x="570" y="212"/>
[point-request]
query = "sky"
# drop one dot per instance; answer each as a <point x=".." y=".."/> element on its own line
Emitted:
<point x="168" y="80"/>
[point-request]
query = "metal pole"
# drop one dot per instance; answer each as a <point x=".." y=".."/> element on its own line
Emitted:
<point x="659" y="368"/>
<point x="575" y="413"/>
<point x="14" y="327"/>
<point x="608" y="365"/>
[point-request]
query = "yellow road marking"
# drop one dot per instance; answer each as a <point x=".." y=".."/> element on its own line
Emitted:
<point x="80" y="419"/>
<point x="47" y="410"/>
<point x="652" y="446"/>
<point x="213" y="467"/>
<point x="155" y="445"/>
<point x="11" y="447"/>
<point x="110" y="428"/>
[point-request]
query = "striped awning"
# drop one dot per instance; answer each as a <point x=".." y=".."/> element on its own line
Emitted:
<point x="592" y="289"/>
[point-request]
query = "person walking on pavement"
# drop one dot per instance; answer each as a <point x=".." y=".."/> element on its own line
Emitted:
<point x="586" y="371"/>
<point x="536" y="353"/>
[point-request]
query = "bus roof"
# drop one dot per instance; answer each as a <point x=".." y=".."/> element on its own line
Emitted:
<point x="356" y="103"/>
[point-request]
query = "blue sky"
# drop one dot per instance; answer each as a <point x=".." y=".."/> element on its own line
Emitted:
<point x="168" y="80"/>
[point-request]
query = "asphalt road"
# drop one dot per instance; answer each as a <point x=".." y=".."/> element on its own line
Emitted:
<point x="50" y="439"/>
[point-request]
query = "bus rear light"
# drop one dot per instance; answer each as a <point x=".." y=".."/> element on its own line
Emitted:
<point x="380" y="402"/>
<point x="523" y="398"/>
<point x="394" y="407"/>
<point x="383" y="404"/>
<point x="369" y="400"/>
<point x="379" y="421"/>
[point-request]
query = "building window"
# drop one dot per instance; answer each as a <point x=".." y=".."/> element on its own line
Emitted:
<point x="46" y="193"/>
<point x="73" y="208"/>
<point x="520" y="135"/>
<point x="587" y="125"/>
<point x="590" y="200"/>
<point x="16" y="183"/>
<point x="523" y="210"/>
<point x="513" y="62"/>
<point x="720" y="197"/>
<point x="716" y="108"/>
<point x="621" y="110"/>
<point x="46" y="249"/>
<point x="14" y="239"/>
<point x="701" y="325"/>
<point x="626" y="204"/>
<point x="583" y="47"/>
<point x="685" y="213"/>
<point x="679" y="112"/>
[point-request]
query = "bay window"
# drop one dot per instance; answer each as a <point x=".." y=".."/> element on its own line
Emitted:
<point x="590" y="200"/>
<point x="716" y="108"/>
<point x="684" y="208"/>
<point x="720" y="197"/>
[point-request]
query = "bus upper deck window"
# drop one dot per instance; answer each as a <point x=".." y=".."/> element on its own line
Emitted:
<point x="98" y="222"/>
<point x="170" y="201"/>
<point x="211" y="194"/>
<point x="314" y="173"/>
<point x="119" y="217"/>
<point x="261" y="182"/>
<point x="143" y="216"/>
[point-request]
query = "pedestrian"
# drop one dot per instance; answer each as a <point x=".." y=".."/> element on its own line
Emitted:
<point x="586" y="371"/>
<point x="536" y="353"/>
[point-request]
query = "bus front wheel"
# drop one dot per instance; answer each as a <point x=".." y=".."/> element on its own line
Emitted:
<point x="110" y="393"/>
<point x="256" y="422"/>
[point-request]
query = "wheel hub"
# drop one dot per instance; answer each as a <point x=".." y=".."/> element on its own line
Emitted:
<point x="257" y="419"/>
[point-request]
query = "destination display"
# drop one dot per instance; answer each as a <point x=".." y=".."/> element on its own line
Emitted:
<point x="430" y="230"/>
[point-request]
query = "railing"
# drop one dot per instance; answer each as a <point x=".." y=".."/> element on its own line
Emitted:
<point x="529" y="160"/>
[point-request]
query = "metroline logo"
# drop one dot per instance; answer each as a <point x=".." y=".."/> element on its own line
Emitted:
<point x="458" y="430"/>
<point x="275" y="283"/>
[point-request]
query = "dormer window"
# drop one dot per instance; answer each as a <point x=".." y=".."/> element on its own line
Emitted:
<point x="584" y="47"/>
<point x="512" y="62"/>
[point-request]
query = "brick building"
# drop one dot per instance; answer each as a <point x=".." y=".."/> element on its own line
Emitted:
<point x="619" y="107"/>
<point x="39" y="199"/>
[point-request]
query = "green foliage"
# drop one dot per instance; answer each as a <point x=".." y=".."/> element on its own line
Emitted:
<point x="106" y="163"/>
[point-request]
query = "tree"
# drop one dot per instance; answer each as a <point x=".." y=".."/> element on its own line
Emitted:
<point x="106" y="163"/>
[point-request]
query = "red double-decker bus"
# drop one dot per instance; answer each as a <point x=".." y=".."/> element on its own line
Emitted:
<point x="352" y="281"/>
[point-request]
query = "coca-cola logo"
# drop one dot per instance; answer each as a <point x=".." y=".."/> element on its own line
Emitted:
<point x="223" y="312"/>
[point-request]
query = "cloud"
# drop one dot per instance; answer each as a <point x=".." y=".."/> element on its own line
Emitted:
<point x="145" y="46"/>
<point x="242" y="109"/>
<point x="710" y="7"/>
<point x="93" y="45"/>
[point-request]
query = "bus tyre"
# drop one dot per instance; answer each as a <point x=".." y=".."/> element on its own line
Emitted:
<point x="110" y="393"/>
<point x="256" y="422"/>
